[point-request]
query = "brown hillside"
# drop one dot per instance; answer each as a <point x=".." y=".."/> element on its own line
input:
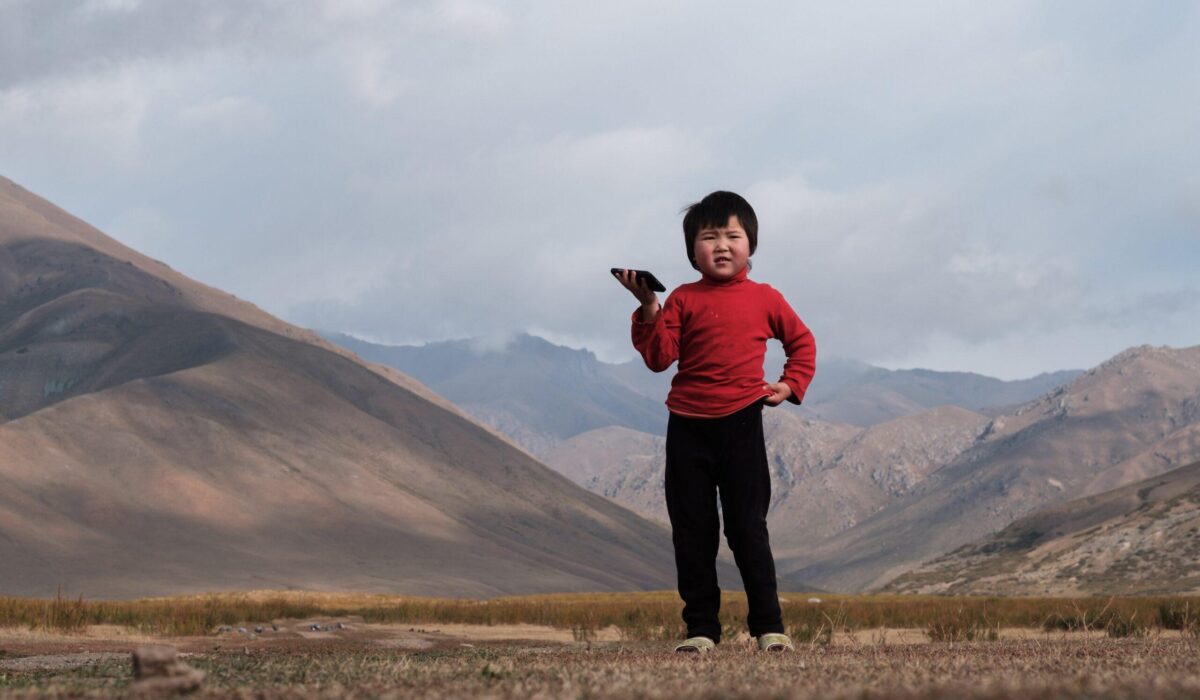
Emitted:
<point x="1141" y="538"/>
<point x="159" y="436"/>
<point x="825" y="477"/>
<point x="1122" y="421"/>
<point x="867" y="473"/>
<point x="60" y="253"/>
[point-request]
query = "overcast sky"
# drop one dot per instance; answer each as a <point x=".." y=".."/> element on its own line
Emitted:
<point x="1005" y="187"/>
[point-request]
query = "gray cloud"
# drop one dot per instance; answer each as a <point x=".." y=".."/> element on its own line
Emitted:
<point x="937" y="185"/>
<point x="42" y="39"/>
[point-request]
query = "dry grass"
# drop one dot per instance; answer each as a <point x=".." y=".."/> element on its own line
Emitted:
<point x="1096" y="648"/>
<point x="637" y="616"/>
<point x="1096" y="668"/>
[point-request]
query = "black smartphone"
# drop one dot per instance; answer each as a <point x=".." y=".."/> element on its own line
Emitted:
<point x="640" y="275"/>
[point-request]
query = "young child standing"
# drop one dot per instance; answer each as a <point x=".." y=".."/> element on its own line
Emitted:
<point x="717" y="328"/>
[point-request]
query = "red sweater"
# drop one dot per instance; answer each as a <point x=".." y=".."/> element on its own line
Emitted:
<point x="718" y="331"/>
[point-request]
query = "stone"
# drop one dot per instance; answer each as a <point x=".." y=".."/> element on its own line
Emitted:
<point x="157" y="670"/>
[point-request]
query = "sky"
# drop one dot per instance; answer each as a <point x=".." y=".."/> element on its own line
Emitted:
<point x="1006" y="188"/>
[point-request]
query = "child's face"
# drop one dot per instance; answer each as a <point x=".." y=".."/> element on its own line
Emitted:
<point x="721" y="253"/>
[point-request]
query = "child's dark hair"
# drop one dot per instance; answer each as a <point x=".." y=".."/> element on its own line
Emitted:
<point x="713" y="212"/>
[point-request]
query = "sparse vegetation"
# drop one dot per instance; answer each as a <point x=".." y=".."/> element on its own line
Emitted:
<point x="1182" y="615"/>
<point x="636" y="616"/>
<point x="832" y="660"/>
<point x="1006" y="670"/>
<point x="1117" y="625"/>
<point x="813" y="624"/>
<point x="963" y="625"/>
<point x="58" y="613"/>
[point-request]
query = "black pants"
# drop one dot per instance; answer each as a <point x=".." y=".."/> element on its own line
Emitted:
<point x="726" y="455"/>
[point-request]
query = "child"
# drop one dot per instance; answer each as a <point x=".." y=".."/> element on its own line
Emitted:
<point x="717" y="329"/>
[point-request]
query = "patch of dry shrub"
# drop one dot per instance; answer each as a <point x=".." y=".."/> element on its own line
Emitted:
<point x="637" y="616"/>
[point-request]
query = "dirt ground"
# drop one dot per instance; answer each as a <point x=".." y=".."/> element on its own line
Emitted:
<point x="315" y="658"/>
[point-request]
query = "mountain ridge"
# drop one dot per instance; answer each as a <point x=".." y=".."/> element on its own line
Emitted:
<point x="1140" y="538"/>
<point x="844" y="391"/>
<point x="1075" y="440"/>
<point x="153" y="444"/>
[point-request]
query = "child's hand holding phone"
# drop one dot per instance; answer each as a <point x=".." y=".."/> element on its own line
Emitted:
<point x="638" y="283"/>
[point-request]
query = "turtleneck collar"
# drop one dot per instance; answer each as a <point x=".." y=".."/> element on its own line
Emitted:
<point x="736" y="279"/>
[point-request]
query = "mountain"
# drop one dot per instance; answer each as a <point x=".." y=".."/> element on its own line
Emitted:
<point x="535" y="392"/>
<point x="623" y="465"/>
<point x="158" y="436"/>
<point x="876" y="467"/>
<point x="856" y="393"/>
<point x="627" y="466"/>
<point x="847" y="391"/>
<point x="825" y="477"/>
<point x="540" y="394"/>
<point x="1137" y="539"/>
<point x="1133" y="417"/>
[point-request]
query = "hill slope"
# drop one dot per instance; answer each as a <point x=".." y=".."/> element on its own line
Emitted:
<point x="860" y="394"/>
<point x="856" y="393"/>
<point x="1143" y="538"/>
<point x="540" y="394"/>
<point x="535" y="392"/>
<point x="825" y="477"/>
<point x="1132" y="417"/>
<point x="158" y="436"/>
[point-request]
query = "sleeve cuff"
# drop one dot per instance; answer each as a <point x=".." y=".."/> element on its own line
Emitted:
<point x="797" y="396"/>
<point x="637" y="317"/>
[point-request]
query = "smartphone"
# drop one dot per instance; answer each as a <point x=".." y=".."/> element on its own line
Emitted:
<point x="640" y="275"/>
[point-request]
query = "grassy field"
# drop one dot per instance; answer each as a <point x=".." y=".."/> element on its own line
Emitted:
<point x="607" y="646"/>
<point x="637" y="616"/>
<point x="1104" y="668"/>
